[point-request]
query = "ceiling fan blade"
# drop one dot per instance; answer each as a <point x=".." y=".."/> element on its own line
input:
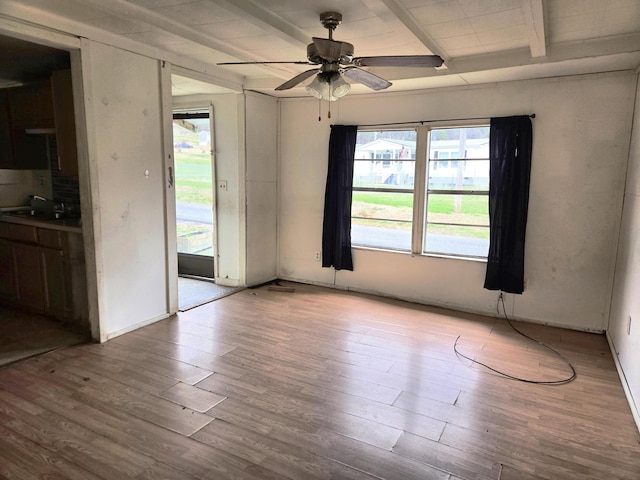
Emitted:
<point x="297" y="79"/>
<point x="366" y="78"/>
<point x="299" y="62"/>
<point x="399" y="61"/>
<point x="329" y="50"/>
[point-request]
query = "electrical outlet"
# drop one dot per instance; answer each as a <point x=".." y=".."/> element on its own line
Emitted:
<point x="629" y="325"/>
<point x="317" y="256"/>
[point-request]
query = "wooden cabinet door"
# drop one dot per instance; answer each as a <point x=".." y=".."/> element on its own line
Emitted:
<point x="28" y="275"/>
<point x="55" y="279"/>
<point x="6" y="151"/>
<point x="65" y="122"/>
<point x="31" y="106"/>
<point x="7" y="278"/>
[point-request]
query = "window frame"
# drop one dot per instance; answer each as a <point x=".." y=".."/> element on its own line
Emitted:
<point x="380" y="163"/>
<point x="421" y="191"/>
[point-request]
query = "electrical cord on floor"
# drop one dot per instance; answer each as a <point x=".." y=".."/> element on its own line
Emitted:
<point x="512" y="377"/>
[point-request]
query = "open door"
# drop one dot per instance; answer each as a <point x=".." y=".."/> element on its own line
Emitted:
<point x="195" y="200"/>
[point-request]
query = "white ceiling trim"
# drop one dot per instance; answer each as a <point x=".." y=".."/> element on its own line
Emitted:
<point x="30" y="33"/>
<point x="534" y="18"/>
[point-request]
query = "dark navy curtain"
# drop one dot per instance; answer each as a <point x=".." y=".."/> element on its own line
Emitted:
<point x="336" y="228"/>
<point x="509" y="174"/>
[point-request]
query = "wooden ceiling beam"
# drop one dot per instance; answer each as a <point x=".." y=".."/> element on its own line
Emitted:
<point x="534" y="17"/>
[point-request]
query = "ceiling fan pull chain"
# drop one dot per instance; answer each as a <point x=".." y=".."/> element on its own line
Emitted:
<point x="319" y="109"/>
<point x="329" y="113"/>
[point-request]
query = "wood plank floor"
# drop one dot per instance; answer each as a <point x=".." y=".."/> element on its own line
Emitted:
<point x="23" y="335"/>
<point x="317" y="384"/>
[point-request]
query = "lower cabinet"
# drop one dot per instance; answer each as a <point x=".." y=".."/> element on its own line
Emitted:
<point x="7" y="277"/>
<point x="28" y="275"/>
<point x="43" y="270"/>
<point x="56" y="301"/>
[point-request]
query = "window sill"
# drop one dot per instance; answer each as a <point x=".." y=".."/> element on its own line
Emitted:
<point x="432" y="255"/>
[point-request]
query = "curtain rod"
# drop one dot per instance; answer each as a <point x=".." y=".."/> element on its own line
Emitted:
<point x="422" y="122"/>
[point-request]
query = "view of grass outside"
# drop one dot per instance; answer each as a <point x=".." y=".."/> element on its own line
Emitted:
<point x="194" y="192"/>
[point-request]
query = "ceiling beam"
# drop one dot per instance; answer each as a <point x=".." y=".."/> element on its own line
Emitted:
<point x="397" y="16"/>
<point x="268" y="20"/>
<point x="534" y="18"/>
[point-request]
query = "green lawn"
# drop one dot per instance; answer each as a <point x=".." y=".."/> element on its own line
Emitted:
<point x="470" y="205"/>
<point x="193" y="174"/>
<point x="376" y="207"/>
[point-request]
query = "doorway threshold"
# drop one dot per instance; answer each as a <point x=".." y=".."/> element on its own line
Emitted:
<point x="195" y="291"/>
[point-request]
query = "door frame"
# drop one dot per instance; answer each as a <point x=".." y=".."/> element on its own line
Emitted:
<point x="188" y="260"/>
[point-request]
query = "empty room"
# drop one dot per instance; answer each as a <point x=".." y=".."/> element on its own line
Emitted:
<point x="366" y="239"/>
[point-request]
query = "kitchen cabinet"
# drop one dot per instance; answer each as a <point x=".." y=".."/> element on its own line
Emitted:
<point x="7" y="277"/>
<point x="42" y="269"/>
<point x="54" y="287"/>
<point x="28" y="275"/>
<point x="54" y="271"/>
<point x="23" y="109"/>
<point x="6" y="150"/>
<point x="31" y="106"/>
<point x="29" y="115"/>
<point x="65" y="122"/>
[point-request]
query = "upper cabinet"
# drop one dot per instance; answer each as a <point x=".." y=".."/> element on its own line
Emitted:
<point x="65" y="122"/>
<point x="30" y="113"/>
<point x="31" y="107"/>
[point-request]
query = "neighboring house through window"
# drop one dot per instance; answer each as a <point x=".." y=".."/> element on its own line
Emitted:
<point x="429" y="197"/>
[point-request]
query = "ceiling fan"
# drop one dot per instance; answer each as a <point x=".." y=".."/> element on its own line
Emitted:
<point x="336" y="60"/>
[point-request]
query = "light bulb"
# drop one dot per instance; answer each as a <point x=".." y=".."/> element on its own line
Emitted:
<point x="339" y="88"/>
<point x="319" y="87"/>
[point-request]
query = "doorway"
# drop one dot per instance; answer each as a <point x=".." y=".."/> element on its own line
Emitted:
<point x="195" y="200"/>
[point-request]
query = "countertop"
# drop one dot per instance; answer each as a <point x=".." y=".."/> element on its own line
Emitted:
<point x="73" y="225"/>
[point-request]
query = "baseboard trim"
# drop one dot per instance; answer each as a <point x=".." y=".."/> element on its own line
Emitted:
<point x="623" y="381"/>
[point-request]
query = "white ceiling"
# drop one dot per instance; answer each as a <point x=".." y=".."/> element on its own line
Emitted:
<point x="480" y="40"/>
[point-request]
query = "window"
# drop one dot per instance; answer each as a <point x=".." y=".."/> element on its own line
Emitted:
<point x="457" y="197"/>
<point x="445" y="211"/>
<point x="382" y="202"/>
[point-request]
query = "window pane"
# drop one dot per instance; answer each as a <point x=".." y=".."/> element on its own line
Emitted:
<point x="382" y="205"/>
<point x="458" y="209"/>
<point x="459" y="175"/>
<point x="384" y="174"/>
<point x="457" y="240"/>
<point x="381" y="234"/>
<point x="385" y="160"/>
<point x="382" y="219"/>
<point x="469" y="142"/>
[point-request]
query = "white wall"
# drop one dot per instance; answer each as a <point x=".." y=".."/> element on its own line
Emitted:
<point x="228" y="112"/>
<point x="626" y="294"/>
<point x="125" y="144"/>
<point x="581" y="136"/>
<point x="261" y="188"/>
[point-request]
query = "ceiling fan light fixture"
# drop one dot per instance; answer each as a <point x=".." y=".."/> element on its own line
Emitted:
<point x="328" y="86"/>
<point x="339" y="87"/>
<point x="319" y="87"/>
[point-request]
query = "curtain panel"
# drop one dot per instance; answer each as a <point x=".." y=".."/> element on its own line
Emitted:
<point x="509" y="175"/>
<point x="336" y="227"/>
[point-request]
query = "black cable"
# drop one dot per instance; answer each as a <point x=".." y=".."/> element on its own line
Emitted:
<point x="506" y="375"/>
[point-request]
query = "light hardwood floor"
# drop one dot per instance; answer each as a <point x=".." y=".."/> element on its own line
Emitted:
<point x="317" y="384"/>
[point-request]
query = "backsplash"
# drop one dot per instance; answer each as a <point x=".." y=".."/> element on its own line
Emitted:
<point x="65" y="188"/>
